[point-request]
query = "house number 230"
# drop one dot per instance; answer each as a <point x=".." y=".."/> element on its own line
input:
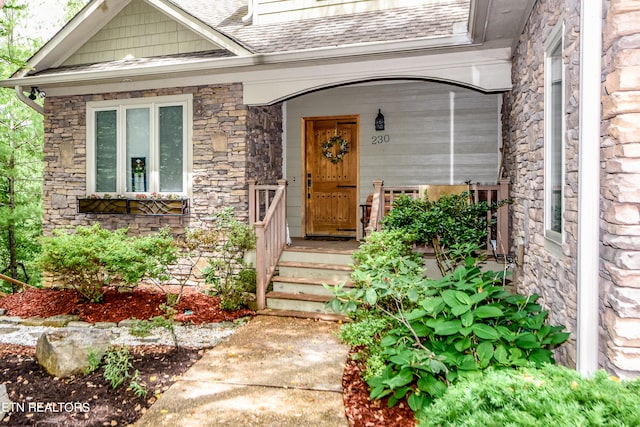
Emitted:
<point x="379" y="139"/>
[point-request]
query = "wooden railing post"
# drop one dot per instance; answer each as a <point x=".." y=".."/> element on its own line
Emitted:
<point x="503" y="218"/>
<point x="261" y="266"/>
<point x="377" y="207"/>
<point x="282" y="183"/>
<point x="252" y="201"/>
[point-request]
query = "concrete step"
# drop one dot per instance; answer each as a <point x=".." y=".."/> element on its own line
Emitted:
<point x="314" y="270"/>
<point x="298" y="302"/>
<point x="308" y="255"/>
<point x="305" y="285"/>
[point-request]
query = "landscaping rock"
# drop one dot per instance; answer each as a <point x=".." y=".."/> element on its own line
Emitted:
<point x="64" y="352"/>
<point x="32" y="321"/>
<point x="5" y="402"/>
<point x="3" y="311"/>
<point x="60" y="320"/>
<point x="105" y="325"/>
<point x="79" y="324"/>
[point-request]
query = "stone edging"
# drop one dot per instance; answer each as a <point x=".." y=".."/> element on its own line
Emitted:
<point x="192" y="336"/>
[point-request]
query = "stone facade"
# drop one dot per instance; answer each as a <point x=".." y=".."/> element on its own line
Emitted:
<point x="232" y="142"/>
<point x="620" y="178"/>
<point x="547" y="268"/>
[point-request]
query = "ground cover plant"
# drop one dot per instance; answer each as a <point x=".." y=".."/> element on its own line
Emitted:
<point x="546" y="396"/>
<point x="419" y="335"/>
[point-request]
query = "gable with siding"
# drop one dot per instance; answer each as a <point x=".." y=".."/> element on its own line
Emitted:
<point x="139" y="31"/>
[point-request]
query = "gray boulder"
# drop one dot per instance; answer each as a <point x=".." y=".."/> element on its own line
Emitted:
<point x="65" y="352"/>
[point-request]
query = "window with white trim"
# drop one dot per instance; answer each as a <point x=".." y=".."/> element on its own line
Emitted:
<point x="554" y="136"/>
<point x="139" y="146"/>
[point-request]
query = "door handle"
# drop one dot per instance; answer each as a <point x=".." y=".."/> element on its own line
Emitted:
<point x="346" y="186"/>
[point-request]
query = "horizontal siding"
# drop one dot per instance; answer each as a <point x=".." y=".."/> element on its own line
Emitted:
<point x="141" y="31"/>
<point x="271" y="11"/>
<point x="418" y="125"/>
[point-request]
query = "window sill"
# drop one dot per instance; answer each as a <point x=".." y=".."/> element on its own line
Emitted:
<point x="149" y="207"/>
<point x="553" y="246"/>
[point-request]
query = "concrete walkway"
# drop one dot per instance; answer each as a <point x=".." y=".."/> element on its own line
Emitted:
<point x="274" y="371"/>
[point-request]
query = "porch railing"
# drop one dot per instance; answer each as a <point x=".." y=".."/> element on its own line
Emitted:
<point x="498" y="220"/>
<point x="268" y="216"/>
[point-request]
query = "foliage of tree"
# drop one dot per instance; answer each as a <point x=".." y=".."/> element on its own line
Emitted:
<point x="20" y="160"/>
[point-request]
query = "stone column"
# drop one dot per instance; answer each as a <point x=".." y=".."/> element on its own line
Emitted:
<point x="620" y="154"/>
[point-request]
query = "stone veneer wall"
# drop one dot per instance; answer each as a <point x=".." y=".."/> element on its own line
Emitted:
<point x="265" y="144"/>
<point x="620" y="180"/>
<point x="546" y="270"/>
<point x="231" y="143"/>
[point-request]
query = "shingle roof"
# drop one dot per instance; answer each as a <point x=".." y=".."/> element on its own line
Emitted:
<point x="443" y="19"/>
<point x="139" y="62"/>
<point x="434" y="20"/>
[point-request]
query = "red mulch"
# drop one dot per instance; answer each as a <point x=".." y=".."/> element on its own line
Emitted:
<point x="141" y="303"/>
<point x="362" y="411"/>
<point x="26" y="380"/>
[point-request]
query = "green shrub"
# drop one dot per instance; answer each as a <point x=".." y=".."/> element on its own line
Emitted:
<point x="92" y="257"/>
<point x="549" y="396"/>
<point x="230" y="277"/>
<point x="453" y="225"/>
<point x="438" y="331"/>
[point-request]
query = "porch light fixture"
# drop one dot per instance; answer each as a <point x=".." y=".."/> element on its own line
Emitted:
<point x="379" y="121"/>
<point x="35" y="93"/>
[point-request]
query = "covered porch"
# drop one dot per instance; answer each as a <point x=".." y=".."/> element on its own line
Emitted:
<point x="296" y="269"/>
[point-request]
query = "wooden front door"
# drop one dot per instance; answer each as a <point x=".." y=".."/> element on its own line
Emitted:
<point x="331" y="171"/>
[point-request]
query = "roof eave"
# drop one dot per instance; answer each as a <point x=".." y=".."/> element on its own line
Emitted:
<point x="354" y="51"/>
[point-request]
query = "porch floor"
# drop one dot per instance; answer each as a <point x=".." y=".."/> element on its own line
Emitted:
<point x="346" y="246"/>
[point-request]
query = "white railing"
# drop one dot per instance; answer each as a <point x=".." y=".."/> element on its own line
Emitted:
<point x="498" y="220"/>
<point x="268" y="216"/>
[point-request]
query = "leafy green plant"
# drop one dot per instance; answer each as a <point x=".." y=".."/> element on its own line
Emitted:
<point x="437" y="331"/>
<point x="227" y="272"/>
<point x="453" y="225"/>
<point x="141" y="328"/>
<point x="94" y="359"/>
<point x="173" y="299"/>
<point x="91" y="258"/>
<point x="117" y="363"/>
<point x="548" y="396"/>
<point x="167" y="321"/>
<point x="136" y="385"/>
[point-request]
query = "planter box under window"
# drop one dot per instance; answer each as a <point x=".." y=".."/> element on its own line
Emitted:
<point x="134" y="206"/>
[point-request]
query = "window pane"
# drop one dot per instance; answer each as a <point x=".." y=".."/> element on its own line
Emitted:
<point x="106" y="152"/>
<point x="555" y="164"/>
<point x="138" y="150"/>
<point x="171" y="149"/>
